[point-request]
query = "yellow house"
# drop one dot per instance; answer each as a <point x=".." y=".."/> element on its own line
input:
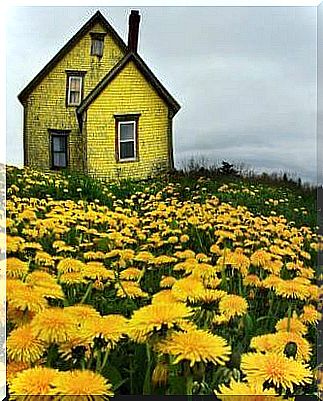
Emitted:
<point x="96" y="107"/>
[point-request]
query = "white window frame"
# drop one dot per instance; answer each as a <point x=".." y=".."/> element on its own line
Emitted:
<point x="69" y="90"/>
<point x="134" y="140"/>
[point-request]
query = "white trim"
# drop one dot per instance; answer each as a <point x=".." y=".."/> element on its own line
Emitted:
<point x="69" y="89"/>
<point x="133" y="122"/>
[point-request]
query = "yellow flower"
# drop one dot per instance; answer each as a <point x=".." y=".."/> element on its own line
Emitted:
<point x="33" y="381"/>
<point x="163" y="259"/>
<point x="28" y="298"/>
<point x="82" y="313"/>
<point x="111" y="328"/>
<point x="16" y="268"/>
<point x="310" y="315"/>
<point x="97" y="270"/>
<point x="220" y="319"/>
<point x="167" y="281"/>
<point x="44" y="259"/>
<point x="293" y="325"/>
<point x="292" y="289"/>
<point x="129" y="289"/>
<point x="131" y="273"/>
<point x="72" y="278"/>
<point x="187" y="288"/>
<point x="81" y="382"/>
<point x="252" y="280"/>
<point x="184" y="238"/>
<point x="144" y="256"/>
<point x="275" y="369"/>
<point x="196" y="346"/>
<point x="24" y="346"/>
<point x="260" y="258"/>
<point x="150" y="318"/>
<point x="69" y="265"/>
<point x="164" y="296"/>
<point x="13" y="368"/>
<point x="243" y="391"/>
<point x="233" y="305"/>
<point x="53" y="325"/>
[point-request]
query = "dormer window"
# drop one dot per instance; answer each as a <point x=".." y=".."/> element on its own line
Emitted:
<point x="74" y="87"/>
<point x="97" y="43"/>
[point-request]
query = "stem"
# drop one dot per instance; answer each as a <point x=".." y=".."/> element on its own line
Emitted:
<point x="147" y="388"/>
<point x="189" y="385"/>
<point x="105" y="359"/>
<point x="289" y="314"/>
<point x="88" y="291"/>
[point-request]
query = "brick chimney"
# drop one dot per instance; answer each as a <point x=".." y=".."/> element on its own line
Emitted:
<point x="134" y="20"/>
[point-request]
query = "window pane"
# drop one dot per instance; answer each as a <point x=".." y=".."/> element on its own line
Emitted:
<point x="127" y="131"/>
<point x="58" y="143"/>
<point x="75" y="84"/>
<point x="97" y="47"/>
<point x="74" y="97"/>
<point x="59" y="159"/>
<point x="127" y="150"/>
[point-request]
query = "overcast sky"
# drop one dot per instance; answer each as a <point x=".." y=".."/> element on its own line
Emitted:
<point x="244" y="76"/>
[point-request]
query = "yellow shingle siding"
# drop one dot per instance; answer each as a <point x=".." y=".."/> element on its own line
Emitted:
<point x="128" y="93"/>
<point x="46" y="107"/>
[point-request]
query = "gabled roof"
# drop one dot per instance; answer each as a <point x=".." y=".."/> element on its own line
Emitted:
<point x="144" y="69"/>
<point x="96" y="18"/>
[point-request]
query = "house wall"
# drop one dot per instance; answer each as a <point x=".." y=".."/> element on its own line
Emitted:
<point x="130" y="93"/>
<point x="46" y="107"/>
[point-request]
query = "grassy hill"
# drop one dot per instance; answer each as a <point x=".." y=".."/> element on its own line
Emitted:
<point x="184" y="284"/>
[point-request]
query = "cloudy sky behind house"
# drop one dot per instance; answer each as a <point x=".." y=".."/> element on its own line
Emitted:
<point x="244" y="76"/>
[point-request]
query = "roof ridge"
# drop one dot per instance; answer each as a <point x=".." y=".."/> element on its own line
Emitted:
<point x="149" y="75"/>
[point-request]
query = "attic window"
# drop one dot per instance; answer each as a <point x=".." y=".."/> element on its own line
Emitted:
<point x="97" y="44"/>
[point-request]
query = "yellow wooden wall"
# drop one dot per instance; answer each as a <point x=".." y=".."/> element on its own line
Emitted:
<point x="46" y="106"/>
<point x="129" y="92"/>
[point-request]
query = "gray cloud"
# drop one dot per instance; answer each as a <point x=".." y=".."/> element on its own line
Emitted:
<point x="245" y="76"/>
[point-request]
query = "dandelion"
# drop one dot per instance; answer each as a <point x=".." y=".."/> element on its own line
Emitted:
<point x="111" y="328"/>
<point x="310" y="315"/>
<point x="129" y="289"/>
<point x="150" y="318"/>
<point x="13" y="368"/>
<point x="81" y="382"/>
<point x="53" y="325"/>
<point x="196" y="346"/>
<point x="69" y="265"/>
<point x="28" y="298"/>
<point x="167" y="282"/>
<point x="292" y="289"/>
<point x="16" y="268"/>
<point x="244" y="391"/>
<point x="24" y="346"/>
<point x="292" y="324"/>
<point x="233" y="305"/>
<point x="132" y="273"/>
<point x="33" y="381"/>
<point x="275" y="369"/>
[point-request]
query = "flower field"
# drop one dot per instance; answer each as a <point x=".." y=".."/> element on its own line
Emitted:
<point x="170" y="286"/>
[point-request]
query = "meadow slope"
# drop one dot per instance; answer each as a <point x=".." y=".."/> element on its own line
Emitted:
<point x="175" y="285"/>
